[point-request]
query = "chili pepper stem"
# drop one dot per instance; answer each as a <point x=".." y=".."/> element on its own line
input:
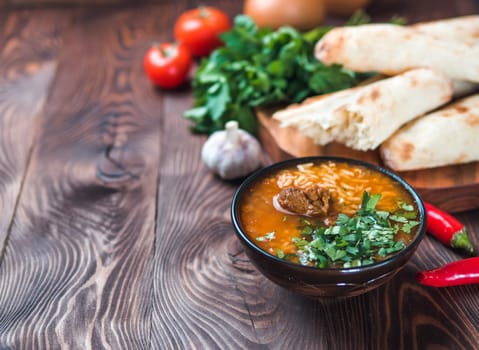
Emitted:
<point x="447" y="229"/>
<point x="461" y="240"/>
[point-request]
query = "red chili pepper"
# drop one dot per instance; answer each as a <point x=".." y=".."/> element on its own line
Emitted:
<point x="459" y="272"/>
<point x="447" y="229"/>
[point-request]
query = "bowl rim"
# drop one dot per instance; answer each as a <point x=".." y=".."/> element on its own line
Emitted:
<point x="421" y="231"/>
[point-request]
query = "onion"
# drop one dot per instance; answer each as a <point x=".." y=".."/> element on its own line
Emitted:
<point x="300" y="14"/>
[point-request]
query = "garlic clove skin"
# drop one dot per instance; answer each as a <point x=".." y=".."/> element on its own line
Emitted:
<point x="231" y="153"/>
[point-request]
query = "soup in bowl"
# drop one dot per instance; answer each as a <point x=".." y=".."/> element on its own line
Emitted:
<point x="325" y="226"/>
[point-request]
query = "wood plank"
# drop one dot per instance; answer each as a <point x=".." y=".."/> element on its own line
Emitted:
<point x="25" y="77"/>
<point x="192" y="246"/>
<point x="76" y="270"/>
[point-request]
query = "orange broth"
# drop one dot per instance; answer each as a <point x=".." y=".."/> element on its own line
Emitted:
<point x="346" y="183"/>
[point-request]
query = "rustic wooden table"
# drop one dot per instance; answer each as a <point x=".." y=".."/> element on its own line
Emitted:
<point x="114" y="235"/>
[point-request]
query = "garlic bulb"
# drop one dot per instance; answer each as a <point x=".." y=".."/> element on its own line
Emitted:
<point x="231" y="153"/>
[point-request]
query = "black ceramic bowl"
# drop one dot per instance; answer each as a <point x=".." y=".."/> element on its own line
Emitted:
<point x="324" y="282"/>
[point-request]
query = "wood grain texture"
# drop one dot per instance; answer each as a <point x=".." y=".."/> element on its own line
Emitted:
<point x="76" y="269"/>
<point x="26" y="75"/>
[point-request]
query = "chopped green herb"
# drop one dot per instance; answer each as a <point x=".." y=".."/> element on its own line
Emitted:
<point x="399" y="20"/>
<point x="285" y="218"/>
<point x="358" y="18"/>
<point x="408" y="214"/>
<point x="304" y="222"/>
<point x="368" y="202"/>
<point x="398" y="218"/>
<point x="279" y="253"/>
<point x="407" y="227"/>
<point x="406" y="207"/>
<point x="300" y="242"/>
<point x="306" y="231"/>
<point x="357" y="240"/>
<point x="267" y="237"/>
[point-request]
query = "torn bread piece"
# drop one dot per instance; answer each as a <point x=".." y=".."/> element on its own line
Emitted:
<point x="315" y="117"/>
<point x="393" y="49"/>
<point x="363" y="117"/>
<point x="445" y="137"/>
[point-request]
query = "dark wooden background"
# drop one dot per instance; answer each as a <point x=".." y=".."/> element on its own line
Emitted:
<point x="113" y="234"/>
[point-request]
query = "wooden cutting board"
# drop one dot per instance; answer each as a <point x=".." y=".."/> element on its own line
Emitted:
<point x="452" y="188"/>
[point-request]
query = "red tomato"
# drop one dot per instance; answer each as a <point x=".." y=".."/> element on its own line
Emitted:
<point x="199" y="29"/>
<point x="167" y="64"/>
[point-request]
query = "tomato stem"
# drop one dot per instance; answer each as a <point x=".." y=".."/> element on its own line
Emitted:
<point x="203" y="11"/>
<point x="166" y="51"/>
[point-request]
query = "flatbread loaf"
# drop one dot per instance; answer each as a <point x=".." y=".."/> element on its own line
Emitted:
<point x="447" y="136"/>
<point x="465" y="29"/>
<point x="393" y="49"/>
<point x="363" y="117"/>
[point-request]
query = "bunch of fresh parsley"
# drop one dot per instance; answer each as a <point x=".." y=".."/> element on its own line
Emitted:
<point x="355" y="241"/>
<point x="260" y="68"/>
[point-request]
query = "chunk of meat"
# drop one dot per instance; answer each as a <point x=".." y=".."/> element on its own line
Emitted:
<point x="311" y="201"/>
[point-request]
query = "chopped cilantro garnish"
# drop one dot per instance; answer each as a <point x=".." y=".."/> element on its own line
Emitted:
<point x="406" y="207"/>
<point x="300" y="243"/>
<point x="307" y="230"/>
<point x="304" y="222"/>
<point x="409" y="225"/>
<point x="267" y="237"/>
<point x="368" y="202"/>
<point x="398" y="218"/>
<point x="357" y="240"/>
